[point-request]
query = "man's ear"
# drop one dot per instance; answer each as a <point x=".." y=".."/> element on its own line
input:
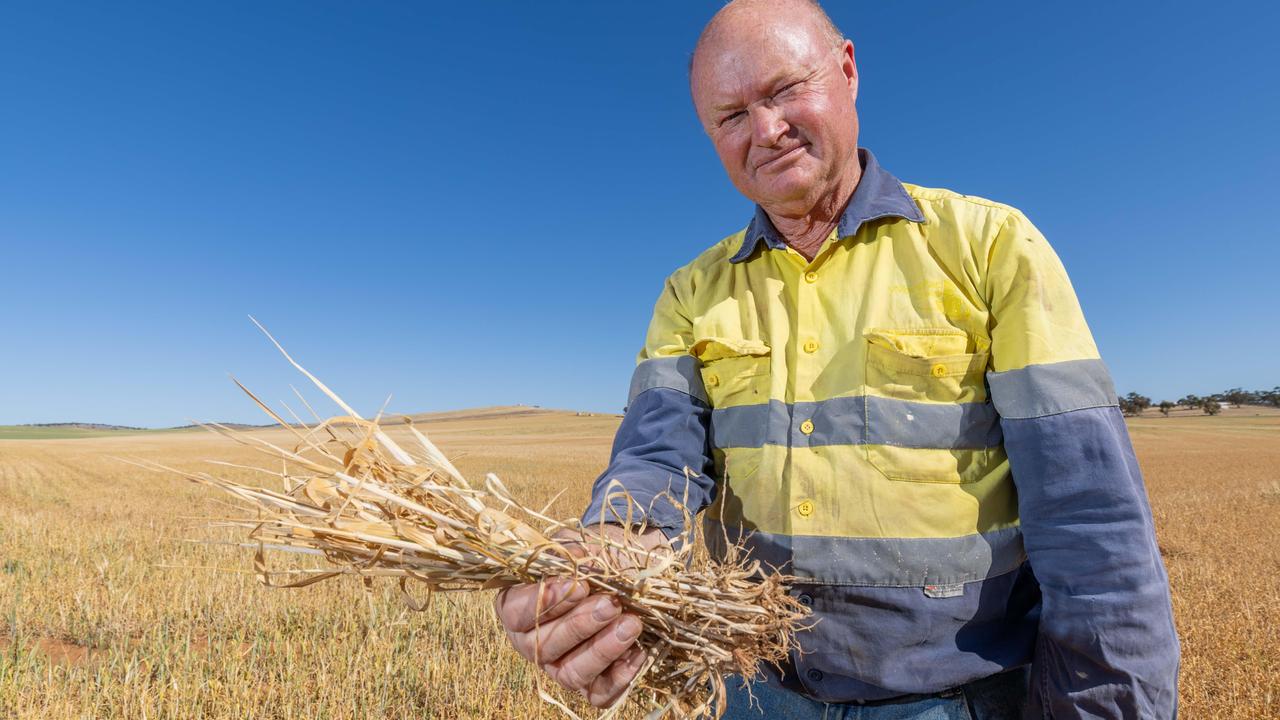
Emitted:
<point x="849" y="66"/>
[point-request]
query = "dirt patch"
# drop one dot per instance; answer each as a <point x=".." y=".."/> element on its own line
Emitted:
<point x="57" y="651"/>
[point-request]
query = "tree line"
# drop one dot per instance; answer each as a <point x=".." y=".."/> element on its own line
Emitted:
<point x="1135" y="404"/>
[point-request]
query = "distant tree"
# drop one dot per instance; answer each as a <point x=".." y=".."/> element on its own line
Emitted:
<point x="1236" y="396"/>
<point x="1272" y="396"/>
<point x="1134" y="404"/>
<point x="1211" y="407"/>
<point x="1191" y="401"/>
<point x="1165" y="407"/>
<point x="1263" y="397"/>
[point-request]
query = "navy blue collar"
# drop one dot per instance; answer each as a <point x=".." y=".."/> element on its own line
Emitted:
<point x="878" y="195"/>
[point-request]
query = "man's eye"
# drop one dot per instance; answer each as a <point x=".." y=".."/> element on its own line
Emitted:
<point x="786" y="90"/>
<point x="732" y="118"/>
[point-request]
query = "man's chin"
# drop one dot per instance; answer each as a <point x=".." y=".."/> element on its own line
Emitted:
<point x="782" y="191"/>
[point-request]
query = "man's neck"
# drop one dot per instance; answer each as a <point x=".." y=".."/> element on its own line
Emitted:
<point x="805" y="230"/>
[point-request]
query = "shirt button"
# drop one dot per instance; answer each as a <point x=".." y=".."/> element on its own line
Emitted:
<point x="713" y="380"/>
<point x="811" y="277"/>
<point x="811" y="346"/>
<point x="805" y="508"/>
<point x="814" y="674"/>
<point x="805" y="600"/>
<point x="938" y="370"/>
<point x="806" y="427"/>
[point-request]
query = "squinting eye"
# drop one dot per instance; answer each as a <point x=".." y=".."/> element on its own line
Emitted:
<point x="786" y="90"/>
<point x="732" y="118"/>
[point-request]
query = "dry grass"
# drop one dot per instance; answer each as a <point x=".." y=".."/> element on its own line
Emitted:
<point x="91" y="627"/>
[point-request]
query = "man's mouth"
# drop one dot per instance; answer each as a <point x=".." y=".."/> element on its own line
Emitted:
<point x="789" y="153"/>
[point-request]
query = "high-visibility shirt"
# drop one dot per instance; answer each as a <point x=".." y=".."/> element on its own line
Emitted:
<point x="918" y="425"/>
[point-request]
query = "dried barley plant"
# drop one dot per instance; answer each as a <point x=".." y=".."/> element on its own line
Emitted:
<point x="375" y="509"/>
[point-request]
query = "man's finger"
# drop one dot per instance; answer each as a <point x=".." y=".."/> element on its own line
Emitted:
<point x="606" y="688"/>
<point x="551" y="641"/>
<point x="520" y="608"/>
<point x="580" y="667"/>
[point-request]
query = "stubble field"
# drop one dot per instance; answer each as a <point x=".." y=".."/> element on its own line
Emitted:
<point x="108" y="611"/>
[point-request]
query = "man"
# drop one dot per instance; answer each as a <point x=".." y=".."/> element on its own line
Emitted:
<point x="892" y="391"/>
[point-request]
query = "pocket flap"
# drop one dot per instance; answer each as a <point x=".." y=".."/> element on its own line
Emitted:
<point x="937" y="366"/>
<point x="928" y="342"/>
<point x="711" y="349"/>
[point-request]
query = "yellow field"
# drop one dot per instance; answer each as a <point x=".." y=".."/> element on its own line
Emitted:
<point x="107" y="612"/>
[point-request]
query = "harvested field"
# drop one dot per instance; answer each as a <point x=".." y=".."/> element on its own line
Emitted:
<point x="1215" y="492"/>
<point x="106" y="611"/>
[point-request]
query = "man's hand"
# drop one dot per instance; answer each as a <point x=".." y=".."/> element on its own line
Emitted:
<point x="582" y="640"/>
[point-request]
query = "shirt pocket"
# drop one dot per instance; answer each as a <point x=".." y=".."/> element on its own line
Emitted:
<point x="734" y="372"/>
<point x="927" y="415"/>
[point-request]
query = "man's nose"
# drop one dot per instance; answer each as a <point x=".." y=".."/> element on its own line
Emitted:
<point x="767" y="125"/>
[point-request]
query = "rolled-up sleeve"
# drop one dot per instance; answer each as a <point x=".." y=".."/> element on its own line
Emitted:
<point x="659" y="465"/>
<point x="1106" y="647"/>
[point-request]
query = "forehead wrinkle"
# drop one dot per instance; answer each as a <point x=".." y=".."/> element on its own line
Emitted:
<point x="742" y="39"/>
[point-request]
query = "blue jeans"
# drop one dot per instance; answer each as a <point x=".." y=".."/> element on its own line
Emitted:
<point x="999" y="697"/>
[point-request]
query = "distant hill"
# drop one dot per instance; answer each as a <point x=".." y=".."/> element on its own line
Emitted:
<point x="72" y="430"/>
<point x="79" y="426"/>
<point x="63" y="431"/>
<point x="496" y="411"/>
<point x="232" y="425"/>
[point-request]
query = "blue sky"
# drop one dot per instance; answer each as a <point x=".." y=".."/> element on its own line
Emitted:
<point x="470" y="204"/>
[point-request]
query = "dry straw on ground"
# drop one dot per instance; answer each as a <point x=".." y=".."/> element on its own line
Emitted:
<point x="377" y="510"/>
<point x="95" y="624"/>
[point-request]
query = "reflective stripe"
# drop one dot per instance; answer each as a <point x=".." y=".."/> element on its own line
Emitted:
<point x="883" y="562"/>
<point x="857" y="420"/>
<point x="1051" y="388"/>
<point x="678" y="373"/>
<point x="931" y="425"/>
<point x="748" y="425"/>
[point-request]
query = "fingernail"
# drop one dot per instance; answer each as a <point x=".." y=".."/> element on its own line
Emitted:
<point x="627" y="630"/>
<point x="606" y="609"/>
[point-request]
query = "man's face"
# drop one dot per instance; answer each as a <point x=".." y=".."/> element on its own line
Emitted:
<point x="777" y="101"/>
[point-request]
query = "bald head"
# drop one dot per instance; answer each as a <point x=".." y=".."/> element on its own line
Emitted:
<point x="775" y="87"/>
<point x="739" y="16"/>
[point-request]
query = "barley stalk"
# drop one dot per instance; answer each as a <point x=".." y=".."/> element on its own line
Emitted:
<point x="375" y="509"/>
